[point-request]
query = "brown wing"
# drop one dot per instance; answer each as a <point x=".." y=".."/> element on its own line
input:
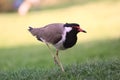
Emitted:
<point x="51" y="33"/>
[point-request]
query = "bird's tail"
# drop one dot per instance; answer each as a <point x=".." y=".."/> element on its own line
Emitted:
<point x="33" y="31"/>
<point x="30" y="28"/>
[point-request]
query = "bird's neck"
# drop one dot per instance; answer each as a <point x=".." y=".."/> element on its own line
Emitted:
<point x="71" y="38"/>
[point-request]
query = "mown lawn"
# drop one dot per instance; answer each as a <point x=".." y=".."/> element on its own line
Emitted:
<point x="98" y="70"/>
<point x="97" y="60"/>
<point x="38" y="55"/>
<point x="96" y="56"/>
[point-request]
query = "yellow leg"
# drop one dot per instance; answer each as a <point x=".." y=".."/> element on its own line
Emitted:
<point x="56" y="57"/>
<point x="50" y="50"/>
<point x="57" y="61"/>
<point x="48" y="47"/>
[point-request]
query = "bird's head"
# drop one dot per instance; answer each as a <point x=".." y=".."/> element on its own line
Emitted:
<point x="75" y="27"/>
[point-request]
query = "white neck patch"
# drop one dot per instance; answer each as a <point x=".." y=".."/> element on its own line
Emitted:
<point x="68" y="29"/>
<point x="59" y="45"/>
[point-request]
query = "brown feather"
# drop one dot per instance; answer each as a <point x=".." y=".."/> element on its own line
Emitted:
<point x="51" y="33"/>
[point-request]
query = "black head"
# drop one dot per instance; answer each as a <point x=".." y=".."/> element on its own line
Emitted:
<point x="75" y="27"/>
<point x="71" y="24"/>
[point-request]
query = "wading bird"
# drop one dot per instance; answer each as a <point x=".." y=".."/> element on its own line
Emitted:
<point x="61" y="36"/>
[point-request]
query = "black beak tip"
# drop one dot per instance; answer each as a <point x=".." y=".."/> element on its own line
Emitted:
<point x="84" y="31"/>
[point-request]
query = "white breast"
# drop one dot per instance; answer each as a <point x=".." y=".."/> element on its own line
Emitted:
<point x="59" y="45"/>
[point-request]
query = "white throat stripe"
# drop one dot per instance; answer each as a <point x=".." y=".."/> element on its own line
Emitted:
<point x="59" y="45"/>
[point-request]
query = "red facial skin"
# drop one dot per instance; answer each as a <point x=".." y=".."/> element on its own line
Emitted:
<point x="79" y="29"/>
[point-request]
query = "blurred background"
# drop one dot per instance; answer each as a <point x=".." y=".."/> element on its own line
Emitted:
<point x="18" y="48"/>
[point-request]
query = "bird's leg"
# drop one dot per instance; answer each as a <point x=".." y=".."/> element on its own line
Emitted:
<point x="48" y="47"/>
<point x="57" y="61"/>
<point x="56" y="58"/>
<point x="50" y="50"/>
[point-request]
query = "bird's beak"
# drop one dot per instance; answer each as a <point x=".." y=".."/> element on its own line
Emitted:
<point x="81" y="30"/>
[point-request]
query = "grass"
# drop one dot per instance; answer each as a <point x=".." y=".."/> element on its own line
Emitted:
<point x="99" y="70"/>
<point x="94" y="60"/>
<point x="95" y="57"/>
<point x="37" y="56"/>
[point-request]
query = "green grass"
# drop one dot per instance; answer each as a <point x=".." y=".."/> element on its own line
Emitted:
<point x="95" y="60"/>
<point x="38" y="55"/>
<point x="98" y="70"/>
<point x="95" y="57"/>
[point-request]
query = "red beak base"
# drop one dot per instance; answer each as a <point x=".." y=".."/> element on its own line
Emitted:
<point x="80" y="30"/>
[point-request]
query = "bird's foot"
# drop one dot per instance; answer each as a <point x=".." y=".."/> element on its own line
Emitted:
<point x="58" y="63"/>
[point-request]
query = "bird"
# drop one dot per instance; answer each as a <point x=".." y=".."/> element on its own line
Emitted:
<point x="61" y="35"/>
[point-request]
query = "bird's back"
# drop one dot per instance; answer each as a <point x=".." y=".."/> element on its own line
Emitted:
<point x="51" y="33"/>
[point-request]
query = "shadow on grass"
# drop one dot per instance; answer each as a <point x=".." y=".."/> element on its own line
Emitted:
<point x="37" y="56"/>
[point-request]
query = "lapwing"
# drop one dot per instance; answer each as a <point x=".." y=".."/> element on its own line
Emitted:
<point x="61" y="36"/>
